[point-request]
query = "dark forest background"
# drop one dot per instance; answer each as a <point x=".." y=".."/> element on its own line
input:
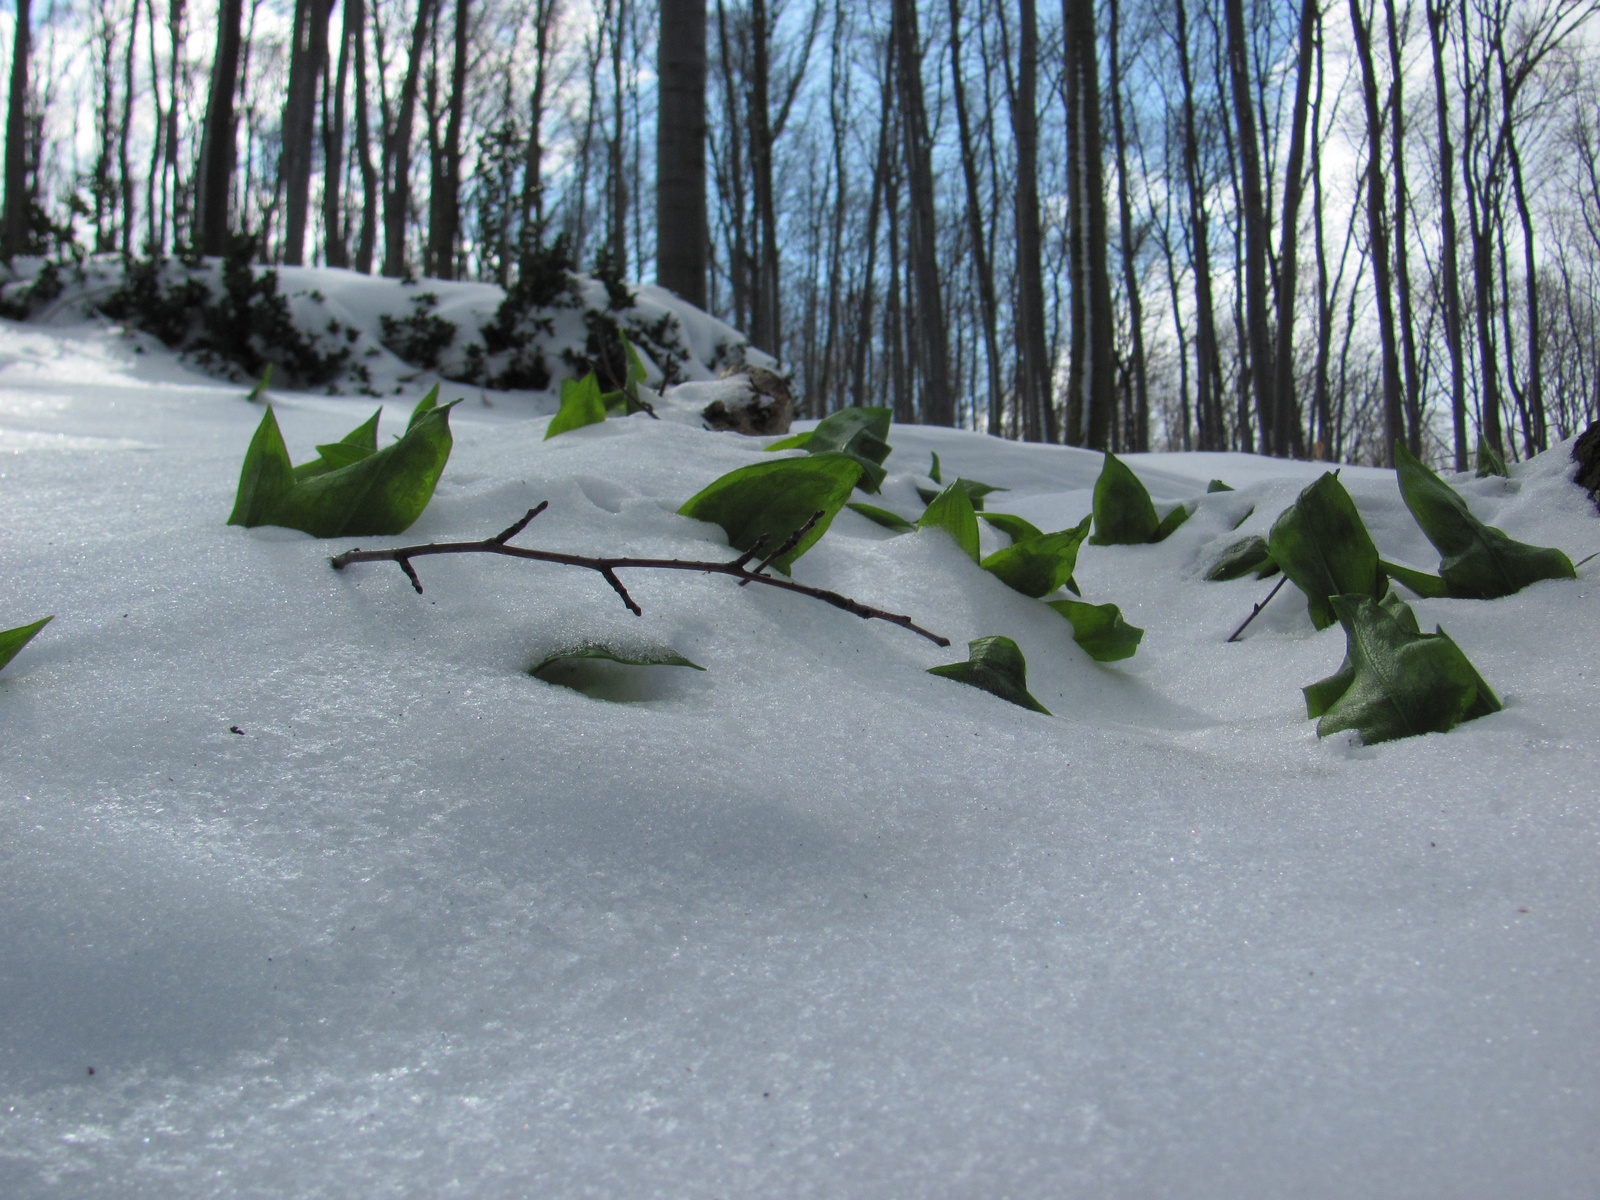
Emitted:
<point x="1296" y="228"/>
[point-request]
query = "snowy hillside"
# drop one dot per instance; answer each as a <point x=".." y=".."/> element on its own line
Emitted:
<point x="310" y="890"/>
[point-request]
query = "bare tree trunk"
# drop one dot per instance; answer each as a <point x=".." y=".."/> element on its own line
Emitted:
<point x="336" y="249"/>
<point x="1534" y="435"/>
<point x="366" y="239"/>
<point x="681" y="237"/>
<point x="616" y="180"/>
<point x="217" y="141"/>
<point x="16" y="217"/>
<point x="1450" y="253"/>
<point x="880" y="172"/>
<point x="307" y="50"/>
<point x="1378" y="236"/>
<point x="533" y="213"/>
<point x="1287" y="421"/>
<point x="444" y="201"/>
<point x="397" y="194"/>
<point x="1402" y="201"/>
<point x="124" y="171"/>
<point x="932" y="345"/>
<point x="1138" y="424"/>
<point x="1208" y="400"/>
<point x="1033" y="365"/>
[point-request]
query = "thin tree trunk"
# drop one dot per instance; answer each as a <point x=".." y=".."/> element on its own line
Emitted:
<point x="880" y="172"/>
<point x="217" y="141"/>
<point x="533" y="218"/>
<point x="1033" y="365"/>
<point x="1138" y="430"/>
<point x="16" y="216"/>
<point x="366" y="239"/>
<point x="1287" y="422"/>
<point x="397" y="195"/>
<point x="336" y="249"/>
<point x="1208" y="400"/>
<point x="125" y="174"/>
<point x="1449" y="252"/>
<point x="307" y="50"/>
<point x="444" y="204"/>
<point x="616" y="180"/>
<point x="1535" y="431"/>
<point x="681" y="237"/>
<point x="1402" y="201"/>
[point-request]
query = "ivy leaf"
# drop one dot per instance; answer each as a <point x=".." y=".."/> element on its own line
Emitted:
<point x="1216" y="485"/>
<point x="1430" y="587"/>
<point x="951" y="510"/>
<point x="352" y="447"/>
<point x="1490" y="461"/>
<point x="12" y="640"/>
<point x="1100" y="629"/>
<point x="581" y="404"/>
<point x="382" y="493"/>
<point x="975" y="492"/>
<point x="996" y="665"/>
<point x="1039" y="565"/>
<point x="638" y="656"/>
<point x="1397" y="681"/>
<point x="1478" y="561"/>
<point x="882" y="516"/>
<point x="1123" y="512"/>
<point x="776" y="498"/>
<point x="266" y="477"/>
<point x="1013" y="527"/>
<point x="933" y="470"/>
<point x="1246" y="556"/>
<point x="1325" y="550"/>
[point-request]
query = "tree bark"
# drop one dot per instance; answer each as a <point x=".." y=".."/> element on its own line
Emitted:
<point x="16" y="218"/>
<point x="1211" y="433"/>
<point x="1138" y="423"/>
<point x="1033" y="365"/>
<point x="336" y="248"/>
<point x="217" y="140"/>
<point x="1402" y="201"/>
<point x="681" y="236"/>
<point x="444" y="201"/>
<point x="1450" y="252"/>
<point x="397" y="192"/>
<point x="307" y="50"/>
<point x="1287" y="422"/>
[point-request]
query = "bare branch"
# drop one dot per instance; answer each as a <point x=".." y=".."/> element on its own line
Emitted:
<point x="1256" y="611"/>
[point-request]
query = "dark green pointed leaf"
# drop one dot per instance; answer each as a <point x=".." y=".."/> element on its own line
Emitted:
<point x="1100" y="629"/>
<point x="1401" y="682"/>
<point x="262" y="384"/>
<point x="1015" y="528"/>
<point x="795" y="441"/>
<point x="933" y="470"/>
<point x="1477" y="561"/>
<point x="861" y="433"/>
<point x="996" y="665"/>
<point x="1039" y="565"/>
<point x="383" y="493"/>
<point x="581" y="404"/>
<point x="1244" y="557"/>
<point x="1490" y="461"/>
<point x="1323" y="547"/>
<point x="12" y="640"/>
<point x="352" y="447"/>
<point x="1427" y="586"/>
<point x="882" y="516"/>
<point x="975" y="492"/>
<point x="1123" y="513"/>
<point x="632" y="656"/>
<point x="636" y="370"/>
<point x="776" y="498"/>
<point x="951" y="510"/>
<point x="1320" y="696"/>
<point x="266" y="477"/>
<point x="1216" y="485"/>
<point x="424" y="406"/>
<point x="1171" y="522"/>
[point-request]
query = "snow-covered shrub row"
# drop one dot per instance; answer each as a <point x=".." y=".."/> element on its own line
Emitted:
<point x="334" y="329"/>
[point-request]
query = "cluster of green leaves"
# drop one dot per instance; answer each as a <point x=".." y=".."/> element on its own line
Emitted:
<point x="1124" y="514"/>
<point x="861" y="434"/>
<point x="13" y="640"/>
<point x="352" y="488"/>
<point x="583" y="403"/>
<point x="1395" y="681"/>
<point x="773" y="499"/>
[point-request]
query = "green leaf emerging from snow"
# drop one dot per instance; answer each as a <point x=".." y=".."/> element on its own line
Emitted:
<point x="1123" y="512"/>
<point x="975" y="492"/>
<point x="581" y="404"/>
<point x="1013" y="527"/>
<point x="262" y="384"/>
<point x="1396" y="681"/>
<point x="633" y="656"/>
<point x="996" y="665"/>
<point x="381" y="492"/>
<point x="933" y="469"/>
<point x="1100" y="629"/>
<point x="1244" y="557"/>
<point x="1420" y="582"/>
<point x="12" y="640"/>
<point x="776" y="498"/>
<point x="1170" y="522"/>
<point x="951" y="510"/>
<point x="1037" y="566"/>
<point x="860" y="433"/>
<point x="1323" y="547"/>
<point x="882" y="516"/>
<point x="1490" y="461"/>
<point x="351" y="448"/>
<point x="1216" y="485"/>
<point x="1477" y="561"/>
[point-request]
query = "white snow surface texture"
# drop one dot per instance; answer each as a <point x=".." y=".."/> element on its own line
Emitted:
<point x="812" y="923"/>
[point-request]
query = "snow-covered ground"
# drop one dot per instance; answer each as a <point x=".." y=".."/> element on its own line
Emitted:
<point x="336" y="901"/>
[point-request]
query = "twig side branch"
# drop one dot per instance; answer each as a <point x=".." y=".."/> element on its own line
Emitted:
<point x="608" y="567"/>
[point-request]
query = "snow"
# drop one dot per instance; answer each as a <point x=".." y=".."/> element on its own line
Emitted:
<point x="810" y="923"/>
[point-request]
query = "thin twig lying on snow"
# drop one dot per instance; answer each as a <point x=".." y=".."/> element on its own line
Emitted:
<point x="1254" y="612"/>
<point x="739" y="568"/>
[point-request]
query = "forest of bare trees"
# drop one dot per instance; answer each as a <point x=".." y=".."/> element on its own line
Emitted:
<point x="1294" y="228"/>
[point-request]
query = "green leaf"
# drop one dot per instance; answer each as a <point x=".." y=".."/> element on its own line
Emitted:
<point x="1170" y="522"/>
<point x="776" y="498"/>
<point x="1039" y="565"/>
<point x="1216" y="485"/>
<point x="1325" y="550"/>
<point x="381" y="494"/>
<point x="262" y="384"/>
<point x="861" y="433"/>
<point x="638" y="656"/>
<point x="795" y="441"/>
<point x="1490" y="461"/>
<point x="975" y="492"/>
<point x="933" y="470"/>
<point x="1477" y="561"/>
<point x="1100" y="629"/>
<point x="424" y="406"/>
<point x="1397" y="682"/>
<point x="266" y="477"/>
<point x="1013" y="527"/>
<point x="882" y="516"/>
<point x="12" y="640"/>
<point x="581" y="404"/>
<point x="1246" y="556"/>
<point x="636" y="371"/>
<point x="951" y="510"/>
<point x="996" y="665"/>
<point x="352" y="447"/>
<point x="1123" y="513"/>
<point x="1428" y="586"/>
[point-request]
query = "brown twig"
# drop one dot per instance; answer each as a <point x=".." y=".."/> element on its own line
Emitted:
<point x="1256" y="611"/>
<point x="789" y="543"/>
<point x="607" y="568"/>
